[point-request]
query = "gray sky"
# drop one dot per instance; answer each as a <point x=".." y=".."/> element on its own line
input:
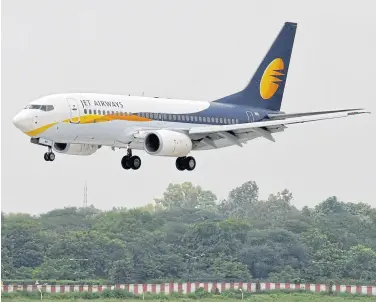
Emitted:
<point x="191" y="50"/>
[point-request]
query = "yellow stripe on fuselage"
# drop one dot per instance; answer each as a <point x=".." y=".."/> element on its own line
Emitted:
<point x="39" y="130"/>
<point x="90" y="119"/>
<point x="96" y="118"/>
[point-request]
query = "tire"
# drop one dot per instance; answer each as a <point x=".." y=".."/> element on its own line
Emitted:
<point x="190" y="163"/>
<point x="180" y="163"/>
<point x="125" y="163"/>
<point x="135" y="162"/>
<point x="46" y="157"/>
<point x="51" y="156"/>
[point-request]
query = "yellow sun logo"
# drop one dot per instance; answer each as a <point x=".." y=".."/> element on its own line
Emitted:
<point x="269" y="81"/>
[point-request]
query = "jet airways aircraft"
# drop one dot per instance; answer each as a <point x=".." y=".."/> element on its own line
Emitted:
<point x="80" y="123"/>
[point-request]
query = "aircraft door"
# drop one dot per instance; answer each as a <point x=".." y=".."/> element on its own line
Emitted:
<point x="251" y="116"/>
<point x="74" y="110"/>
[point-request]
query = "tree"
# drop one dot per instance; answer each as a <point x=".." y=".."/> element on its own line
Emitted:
<point x="360" y="263"/>
<point x="240" y="200"/>
<point x="187" y="196"/>
<point x="187" y="236"/>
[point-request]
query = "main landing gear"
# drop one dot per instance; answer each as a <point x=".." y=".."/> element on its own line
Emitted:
<point x="49" y="156"/>
<point x="133" y="162"/>
<point x="130" y="162"/>
<point x="185" y="163"/>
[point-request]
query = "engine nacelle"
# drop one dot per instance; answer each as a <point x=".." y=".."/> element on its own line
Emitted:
<point x="75" y="149"/>
<point x="167" y="143"/>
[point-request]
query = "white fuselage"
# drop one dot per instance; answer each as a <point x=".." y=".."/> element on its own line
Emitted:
<point x="115" y="120"/>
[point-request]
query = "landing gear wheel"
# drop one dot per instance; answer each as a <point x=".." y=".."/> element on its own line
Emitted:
<point x="125" y="163"/>
<point x="49" y="156"/>
<point x="190" y="163"/>
<point x="135" y="162"/>
<point x="130" y="162"/>
<point x="180" y="163"/>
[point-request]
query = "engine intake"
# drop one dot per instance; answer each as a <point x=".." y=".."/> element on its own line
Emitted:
<point x="75" y="149"/>
<point x="167" y="143"/>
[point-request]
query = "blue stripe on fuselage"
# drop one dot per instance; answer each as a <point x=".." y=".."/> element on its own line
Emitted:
<point x="243" y="114"/>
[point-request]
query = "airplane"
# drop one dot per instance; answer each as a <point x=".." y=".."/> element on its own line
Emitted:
<point x="81" y="123"/>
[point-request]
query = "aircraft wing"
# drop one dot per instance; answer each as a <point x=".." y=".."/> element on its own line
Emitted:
<point x="265" y="128"/>
<point x="276" y="116"/>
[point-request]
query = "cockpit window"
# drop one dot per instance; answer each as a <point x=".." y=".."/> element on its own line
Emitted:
<point x="33" y="106"/>
<point x="40" y="107"/>
<point x="48" y="107"/>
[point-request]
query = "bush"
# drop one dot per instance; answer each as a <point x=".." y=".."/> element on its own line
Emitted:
<point x="124" y="295"/>
<point x="56" y="282"/>
<point x="202" y="293"/>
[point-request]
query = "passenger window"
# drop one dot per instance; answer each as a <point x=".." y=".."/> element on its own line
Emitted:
<point x="221" y="120"/>
<point x="89" y="111"/>
<point x="196" y="119"/>
<point x="95" y="111"/>
<point x="212" y="119"/>
<point x="174" y="117"/>
<point x="85" y="111"/>
<point x="200" y="119"/>
<point x="216" y="120"/>
<point x="237" y="121"/>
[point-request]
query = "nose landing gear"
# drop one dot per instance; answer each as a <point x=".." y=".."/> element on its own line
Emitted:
<point x="49" y="156"/>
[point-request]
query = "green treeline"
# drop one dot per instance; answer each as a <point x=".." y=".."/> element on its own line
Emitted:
<point x="190" y="235"/>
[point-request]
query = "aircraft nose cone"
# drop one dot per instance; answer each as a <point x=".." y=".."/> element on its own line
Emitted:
<point x="23" y="121"/>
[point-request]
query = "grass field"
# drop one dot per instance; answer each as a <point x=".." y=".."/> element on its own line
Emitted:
<point x="293" y="297"/>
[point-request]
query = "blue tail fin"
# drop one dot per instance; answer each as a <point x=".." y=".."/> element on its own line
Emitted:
<point x="265" y="90"/>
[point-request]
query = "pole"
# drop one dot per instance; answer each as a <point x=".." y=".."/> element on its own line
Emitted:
<point x="38" y="287"/>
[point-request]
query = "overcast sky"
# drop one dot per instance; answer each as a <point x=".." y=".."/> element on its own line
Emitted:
<point x="191" y="50"/>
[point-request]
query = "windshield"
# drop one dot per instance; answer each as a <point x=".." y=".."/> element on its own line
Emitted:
<point x="40" y="107"/>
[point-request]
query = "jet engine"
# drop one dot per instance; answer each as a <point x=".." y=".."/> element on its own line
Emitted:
<point x="75" y="149"/>
<point x="167" y="143"/>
